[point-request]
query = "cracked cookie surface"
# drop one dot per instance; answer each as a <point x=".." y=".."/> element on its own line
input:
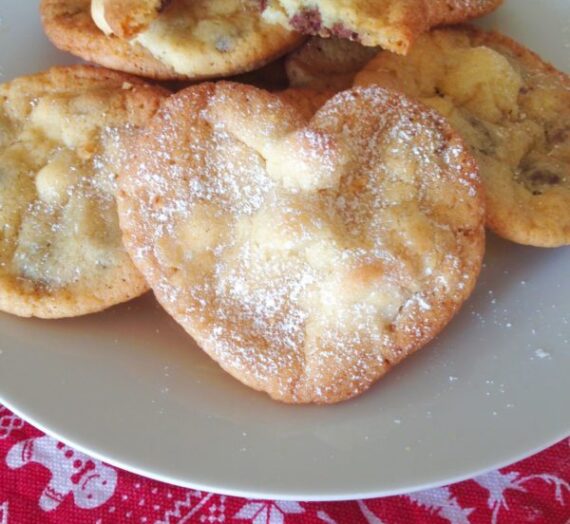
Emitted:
<point x="125" y="18"/>
<point x="306" y="253"/>
<point x="391" y="24"/>
<point x="511" y="108"/>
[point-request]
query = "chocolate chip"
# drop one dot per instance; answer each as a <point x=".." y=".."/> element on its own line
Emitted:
<point x="537" y="178"/>
<point x="545" y="178"/>
<point x="486" y="142"/>
<point x="340" y="31"/>
<point x="307" y="21"/>
<point x="558" y="136"/>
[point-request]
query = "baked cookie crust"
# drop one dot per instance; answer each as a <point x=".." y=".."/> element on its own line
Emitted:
<point x="512" y="109"/>
<point x="126" y="18"/>
<point x="192" y="39"/>
<point x="327" y="63"/>
<point x="306" y="254"/>
<point x="390" y="24"/>
<point x="61" y="253"/>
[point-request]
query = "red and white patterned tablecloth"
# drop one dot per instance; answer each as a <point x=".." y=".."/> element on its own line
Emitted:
<point x="44" y="481"/>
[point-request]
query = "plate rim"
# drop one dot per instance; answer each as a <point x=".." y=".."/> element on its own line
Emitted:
<point x="233" y="492"/>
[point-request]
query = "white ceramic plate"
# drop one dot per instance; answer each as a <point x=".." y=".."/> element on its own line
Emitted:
<point x="129" y="386"/>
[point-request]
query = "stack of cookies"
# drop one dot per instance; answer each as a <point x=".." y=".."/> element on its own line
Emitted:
<point x="311" y="222"/>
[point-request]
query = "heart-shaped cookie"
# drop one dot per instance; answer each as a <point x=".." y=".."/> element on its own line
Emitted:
<point x="306" y="255"/>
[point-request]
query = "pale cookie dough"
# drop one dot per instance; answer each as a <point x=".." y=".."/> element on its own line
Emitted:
<point x="190" y="39"/>
<point x="307" y="256"/>
<point x="61" y="253"/>
<point x="511" y="108"/>
<point x="391" y="24"/>
<point x="125" y="18"/>
<point x="327" y="63"/>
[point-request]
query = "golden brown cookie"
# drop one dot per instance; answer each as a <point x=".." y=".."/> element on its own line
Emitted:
<point x="61" y="253"/>
<point x="191" y="39"/>
<point x="126" y="18"/>
<point x="327" y="63"/>
<point x="512" y="109"/>
<point x="306" y="256"/>
<point x="391" y="24"/>
<point x="68" y="24"/>
<point x="305" y="100"/>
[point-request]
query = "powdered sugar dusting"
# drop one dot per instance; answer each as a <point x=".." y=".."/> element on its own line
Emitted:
<point x="60" y="242"/>
<point x="307" y="292"/>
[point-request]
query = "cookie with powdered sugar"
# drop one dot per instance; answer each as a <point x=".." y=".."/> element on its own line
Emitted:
<point x="511" y="108"/>
<point x="190" y="39"/>
<point x="61" y="252"/>
<point x="306" y="254"/>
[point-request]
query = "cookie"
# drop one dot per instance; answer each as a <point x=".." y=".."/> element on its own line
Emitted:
<point x="68" y="24"/>
<point x="305" y="100"/>
<point x="512" y="109"/>
<point x="271" y="77"/>
<point x="307" y="256"/>
<point x="125" y="18"/>
<point x="61" y="253"/>
<point x="390" y="24"/>
<point x="191" y="39"/>
<point x="327" y="63"/>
